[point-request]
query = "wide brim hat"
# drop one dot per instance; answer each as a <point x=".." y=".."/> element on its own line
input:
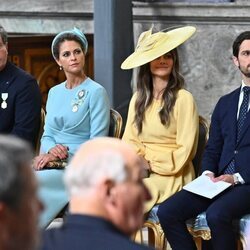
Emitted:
<point x="151" y="46"/>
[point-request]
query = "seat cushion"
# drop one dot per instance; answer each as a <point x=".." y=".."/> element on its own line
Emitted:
<point x="152" y="216"/>
<point x="200" y="223"/>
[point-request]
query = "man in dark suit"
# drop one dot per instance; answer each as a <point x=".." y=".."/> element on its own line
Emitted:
<point x="19" y="204"/>
<point x="226" y="158"/>
<point x="20" y="98"/>
<point x="107" y="194"/>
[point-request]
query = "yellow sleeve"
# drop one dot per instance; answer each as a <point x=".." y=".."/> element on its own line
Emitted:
<point x="187" y="120"/>
<point x="131" y="133"/>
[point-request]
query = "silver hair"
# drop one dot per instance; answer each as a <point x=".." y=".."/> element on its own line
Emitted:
<point x="15" y="155"/>
<point x="3" y="34"/>
<point x="107" y="165"/>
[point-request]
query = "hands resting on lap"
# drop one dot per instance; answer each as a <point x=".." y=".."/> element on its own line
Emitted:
<point x="59" y="152"/>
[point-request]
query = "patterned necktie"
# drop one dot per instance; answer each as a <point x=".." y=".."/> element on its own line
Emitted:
<point x="242" y="116"/>
<point x="243" y="111"/>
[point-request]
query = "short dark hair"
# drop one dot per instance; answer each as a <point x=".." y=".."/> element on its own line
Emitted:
<point x="3" y="34"/>
<point x="15" y="156"/>
<point x="238" y="41"/>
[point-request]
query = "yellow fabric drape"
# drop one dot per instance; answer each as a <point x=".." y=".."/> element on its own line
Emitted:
<point x="168" y="149"/>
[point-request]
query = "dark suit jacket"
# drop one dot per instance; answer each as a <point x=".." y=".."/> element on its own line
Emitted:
<point x="81" y="232"/>
<point x="22" y="115"/>
<point x="222" y="144"/>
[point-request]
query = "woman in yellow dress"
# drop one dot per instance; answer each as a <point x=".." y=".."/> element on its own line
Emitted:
<point x="162" y="121"/>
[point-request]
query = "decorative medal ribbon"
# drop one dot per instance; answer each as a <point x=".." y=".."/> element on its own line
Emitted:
<point x="4" y="97"/>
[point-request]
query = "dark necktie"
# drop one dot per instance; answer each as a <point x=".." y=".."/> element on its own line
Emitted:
<point x="242" y="116"/>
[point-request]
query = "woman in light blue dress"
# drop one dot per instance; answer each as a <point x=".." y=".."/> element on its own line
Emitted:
<point x="77" y="110"/>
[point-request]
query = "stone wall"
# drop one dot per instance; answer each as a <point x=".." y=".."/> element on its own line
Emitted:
<point x="205" y="58"/>
<point x="46" y="16"/>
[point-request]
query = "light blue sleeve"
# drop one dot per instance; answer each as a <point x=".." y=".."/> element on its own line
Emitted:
<point x="99" y="113"/>
<point x="47" y="140"/>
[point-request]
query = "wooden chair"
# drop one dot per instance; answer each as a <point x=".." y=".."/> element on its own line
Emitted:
<point x="156" y="236"/>
<point x="40" y="132"/>
<point x="199" y="229"/>
<point x="202" y="141"/>
<point x="115" y="126"/>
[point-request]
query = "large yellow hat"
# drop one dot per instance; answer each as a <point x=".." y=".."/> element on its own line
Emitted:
<point x="151" y="46"/>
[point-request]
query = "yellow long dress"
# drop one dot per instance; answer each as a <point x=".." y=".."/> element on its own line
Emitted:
<point x="168" y="149"/>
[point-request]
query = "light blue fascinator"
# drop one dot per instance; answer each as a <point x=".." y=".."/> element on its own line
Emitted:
<point x="64" y="34"/>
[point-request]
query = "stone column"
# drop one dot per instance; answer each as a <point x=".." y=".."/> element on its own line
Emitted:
<point x="113" y="42"/>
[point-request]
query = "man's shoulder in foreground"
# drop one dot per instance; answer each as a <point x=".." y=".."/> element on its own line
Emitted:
<point x="90" y="233"/>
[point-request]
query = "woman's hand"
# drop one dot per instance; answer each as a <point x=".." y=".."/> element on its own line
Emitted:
<point x="146" y="166"/>
<point x="42" y="160"/>
<point x="145" y="163"/>
<point x="60" y="151"/>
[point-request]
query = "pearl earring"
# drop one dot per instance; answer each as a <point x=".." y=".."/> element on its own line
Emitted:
<point x="60" y="67"/>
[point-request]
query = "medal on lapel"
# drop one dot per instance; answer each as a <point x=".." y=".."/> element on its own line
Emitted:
<point x="4" y="98"/>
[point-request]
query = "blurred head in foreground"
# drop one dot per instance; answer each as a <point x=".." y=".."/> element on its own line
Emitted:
<point x="104" y="179"/>
<point x="19" y="205"/>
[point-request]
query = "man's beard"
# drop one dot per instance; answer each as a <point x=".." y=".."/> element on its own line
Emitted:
<point x="245" y="72"/>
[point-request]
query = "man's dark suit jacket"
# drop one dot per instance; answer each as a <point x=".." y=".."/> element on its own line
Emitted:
<point x="223" y="145"/>
<point x="22" y="115"/>
<point x="81" y="232"/>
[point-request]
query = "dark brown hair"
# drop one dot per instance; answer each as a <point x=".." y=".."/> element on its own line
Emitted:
<point x="145" y="92"/>
<point x="63" y="38"/>
<point x="238" y="41"/>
